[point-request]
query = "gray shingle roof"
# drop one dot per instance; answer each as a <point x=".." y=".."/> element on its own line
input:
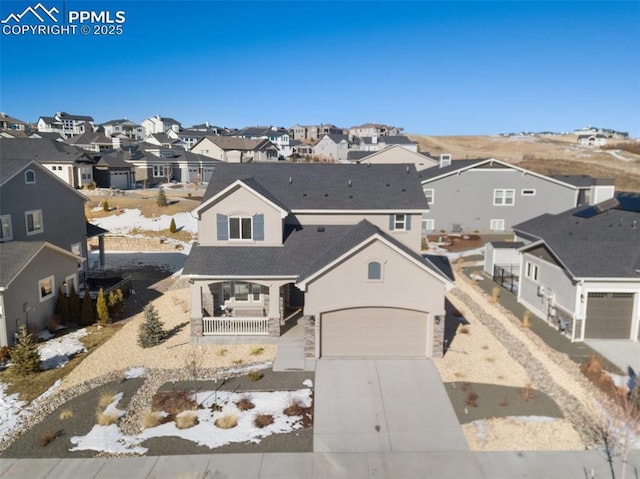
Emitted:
<point x="14" y="255"/>
<point x="358" y="155"/>
<point x="306" y="250"/>
<point x="329" y="186"/>
<point x="454" y="166"/>
<point x="40" y="149"/>
<point x="593" y="242"/>
<point x="9" y="167"/>
<point x="507" y="244"/>
<point x="583" y="181"/>
<point x="236" y="143"/>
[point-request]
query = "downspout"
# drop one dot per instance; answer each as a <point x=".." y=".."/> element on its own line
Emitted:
<point x="3" y="320"/>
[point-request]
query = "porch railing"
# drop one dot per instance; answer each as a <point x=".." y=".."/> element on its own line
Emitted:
<point x="235" y="326"/>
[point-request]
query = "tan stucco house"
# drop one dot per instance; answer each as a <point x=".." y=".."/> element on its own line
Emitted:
<point x="341" y="243"/>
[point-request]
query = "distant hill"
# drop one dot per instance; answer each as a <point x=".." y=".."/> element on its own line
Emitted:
<point x="546" y="154"/>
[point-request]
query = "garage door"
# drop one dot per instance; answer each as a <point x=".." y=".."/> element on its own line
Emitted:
<point x="609" y="316"/>
<point x="120" y="180"/>
<point x="373" y="332"/>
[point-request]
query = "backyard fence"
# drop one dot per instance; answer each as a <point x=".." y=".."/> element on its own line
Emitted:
<point x="507" y="276"/>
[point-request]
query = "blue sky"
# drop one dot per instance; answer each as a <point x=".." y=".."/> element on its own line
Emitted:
<point x="436" y="68"/>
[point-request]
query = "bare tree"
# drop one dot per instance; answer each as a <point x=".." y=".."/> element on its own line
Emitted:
<point x="193" y="359"/>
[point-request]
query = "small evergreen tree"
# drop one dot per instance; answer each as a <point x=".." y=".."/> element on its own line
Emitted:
<point x="105" y="206"/>
<point x="24" y="356"/>
<point x="172" y="226"/>
<point x="151" y="332"/>
<point x="87" y="316"/>
<point x="161" y="200"/>
<point x="62" y="307"/>
<point x="101" y="308"/>
<point x="115" y="303"/>
<point x="75" y="306"/>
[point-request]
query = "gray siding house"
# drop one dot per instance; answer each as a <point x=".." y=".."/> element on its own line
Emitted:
<point x="339" y="243"/>
<point x="581" y="269"/>
<point x="490" y="195"/>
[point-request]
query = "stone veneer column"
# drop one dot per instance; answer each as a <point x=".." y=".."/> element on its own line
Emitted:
<point x="438" y="337"/>
<point x="274" y="309"/>
<point x="195" y="293"/>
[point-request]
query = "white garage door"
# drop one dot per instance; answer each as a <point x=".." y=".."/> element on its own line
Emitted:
<point x="609" y="315"/>
<point x="373" y="332"/>
<point x="120" y="180"/>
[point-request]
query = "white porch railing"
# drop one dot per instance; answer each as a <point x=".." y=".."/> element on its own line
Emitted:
<point x="235" y="326"/>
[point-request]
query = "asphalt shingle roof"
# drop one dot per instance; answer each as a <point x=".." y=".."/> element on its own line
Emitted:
<point x="454" y="166"/>
<point x="594" y="242"/>
<point x="40" y="149"/>
<point x="329" y="186"/>
<point x="14" y="255"/>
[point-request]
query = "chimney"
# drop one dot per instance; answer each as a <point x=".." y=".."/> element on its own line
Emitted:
<point x="445" y="160"/>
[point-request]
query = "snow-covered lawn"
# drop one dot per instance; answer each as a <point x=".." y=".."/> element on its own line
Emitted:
<point x="55" y="353"/>
<point x="205" y="432"/>
<point x="132" y="219"/>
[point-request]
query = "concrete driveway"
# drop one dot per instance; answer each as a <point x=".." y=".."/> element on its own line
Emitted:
<point x="382" y="405"/>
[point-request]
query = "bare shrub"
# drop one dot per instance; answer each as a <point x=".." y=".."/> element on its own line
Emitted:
<point x="525" y="319"/>
<point x="104" y="419"/>
<point x="263" y="420"/>
<point x="186" y="420"/>
<point x="221" y="352"/>
<point x="106" y="398"/>
<point x="255" y="376"/>
<point x="227" y="422"/>
<point x="257" y="351"/>
<point x="47" y="437"/>
<point x="66" y="414"/>
<point x="471" y="399"/>
<point x="173" y="402"/>
<point x="495" y="294"/>
<point x="244" y="404"/>
<point x="464" y="330"/>
<point x="237" y="362"/>
<point x="151" y="419"/>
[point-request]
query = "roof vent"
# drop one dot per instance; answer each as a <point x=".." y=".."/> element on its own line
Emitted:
<point x="408" y="169"/>
<point x="290" y="180"/>
<point x="320" y="229"/>
<point x="350" y="182"/>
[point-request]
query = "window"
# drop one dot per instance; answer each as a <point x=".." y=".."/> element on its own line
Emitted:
<point x="6" y="233"/>
<point x="226" y="291"/>
<point x="29" y="177"/>
<point x="531" y="271"/>
<point x="158" y="171"/>
<point x="374" y="271"/>
<point x="528" y="192"/>
<point x="240" y="228"/>
<point x="503" y="197"/>
<point x="428" y="225"/>
<point x="256" y="290"/>
<point x="46" y="288"/>
<point x="429" y="195"/>
<point x="399" y="222"/>
<point x="496" y="225"/>
<point x="33" y="220"/>
<point x="241" y="291"/>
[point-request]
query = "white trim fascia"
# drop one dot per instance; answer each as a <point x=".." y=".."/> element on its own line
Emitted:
<point x="368" y="212"/>
<point x="303" y="284"/>
<point x="620" y="279"/>
<point x="217" y="196"/>
<point x="237" y="277"/>
<point x="507" y="166"/>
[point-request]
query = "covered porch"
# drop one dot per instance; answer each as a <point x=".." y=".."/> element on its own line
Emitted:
<point x="247" y="307"/>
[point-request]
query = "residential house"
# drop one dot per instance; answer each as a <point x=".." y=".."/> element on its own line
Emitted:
<point x="375" y="129"/>
<point x="71" y="164"/>
<point x="66" y="124"/>
<point x="124" y="127"/>
<point x="11" y="125"/>
<point x="592" y="140"/>
<point x="339" y="242"/>
<point x="580" y="269"/>
<point x="43" y="243"/>
<point x="159" y="124"/>
<point x="377" y="143"/>
<point x="114" y="171"/>
<point x="187" y="137"/>
<point x="91" y="141"/>
<point x="313" y="132"/>
<point x="395" y="154"/>
<point x="489" y="195"/>
<point x="165" y="141"/>
<point x="334" y="147"/>
<point x="277" y="136"/>
<point x="157" y="166"/>
<point x="301" y="149"/>
<point x="236" y="150"/>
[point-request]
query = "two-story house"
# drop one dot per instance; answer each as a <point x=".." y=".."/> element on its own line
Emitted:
<point x="91" y="141"/>
<point x="123" y="127"/>
<point x="159" y="124"/>
<point x="334" y="147"/>
<point x="236" y="150"/>
<point x="341" y="242"/>
<point x="277" y="136"/>
<point x="377" y="143"/>
<point x="10" y="124"/>
<point x="66" y="124"/>
<point x="43" y="243"/>
<point x="580" y="269"/>
<point x="489" y="195"/>
<point x="72" y="165"/>
<point x="393" y="154"/>
<point x="375" y="129"/>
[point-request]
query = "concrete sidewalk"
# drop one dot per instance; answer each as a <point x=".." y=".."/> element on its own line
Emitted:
<point x="392" y="465"/>
<point x="290" y="355"/>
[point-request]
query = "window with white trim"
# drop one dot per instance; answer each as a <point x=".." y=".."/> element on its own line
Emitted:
<point x="240" y="228"/>
<point x="496" y="225"/>
<point x="429" y="194"/>
<point x="374" y="271"/>
<point x="241" y="291"/>
<point x="46" y="287"/>
<point x="531" y="271"/>
<point x="33" y="221"/>
<point x="6" y="232"/>
<point x="30" y="177"/>
<point x="428" y="225"/>
<point x="528" y="192"/>
<point x="400" y="222"/>
<point x="503" y="197"/>
<point x="158" y="171"/>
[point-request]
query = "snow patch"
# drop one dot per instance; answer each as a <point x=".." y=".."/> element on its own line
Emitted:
<point x="55" y="353"/>
<point x="308" y="383"/>
<point x="133" y="373"/>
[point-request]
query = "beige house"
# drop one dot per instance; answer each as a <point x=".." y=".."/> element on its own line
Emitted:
<point x="396" y="154"/>
<point x="339" y="243"/>
<point x="236" y="150"/>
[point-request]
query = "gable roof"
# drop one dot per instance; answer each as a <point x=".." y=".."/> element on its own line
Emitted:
<point x="307" y="250"/>
<point x="418" y="158"/>
<point x="64" y="115"/>
<point x="43" y="150"/>
<point x="16" y="255"/>
<point x="88" y="138"/>
<point x="596" y="241"/>
<point x="229" y="143"/>
<point x="317" y="186"/>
